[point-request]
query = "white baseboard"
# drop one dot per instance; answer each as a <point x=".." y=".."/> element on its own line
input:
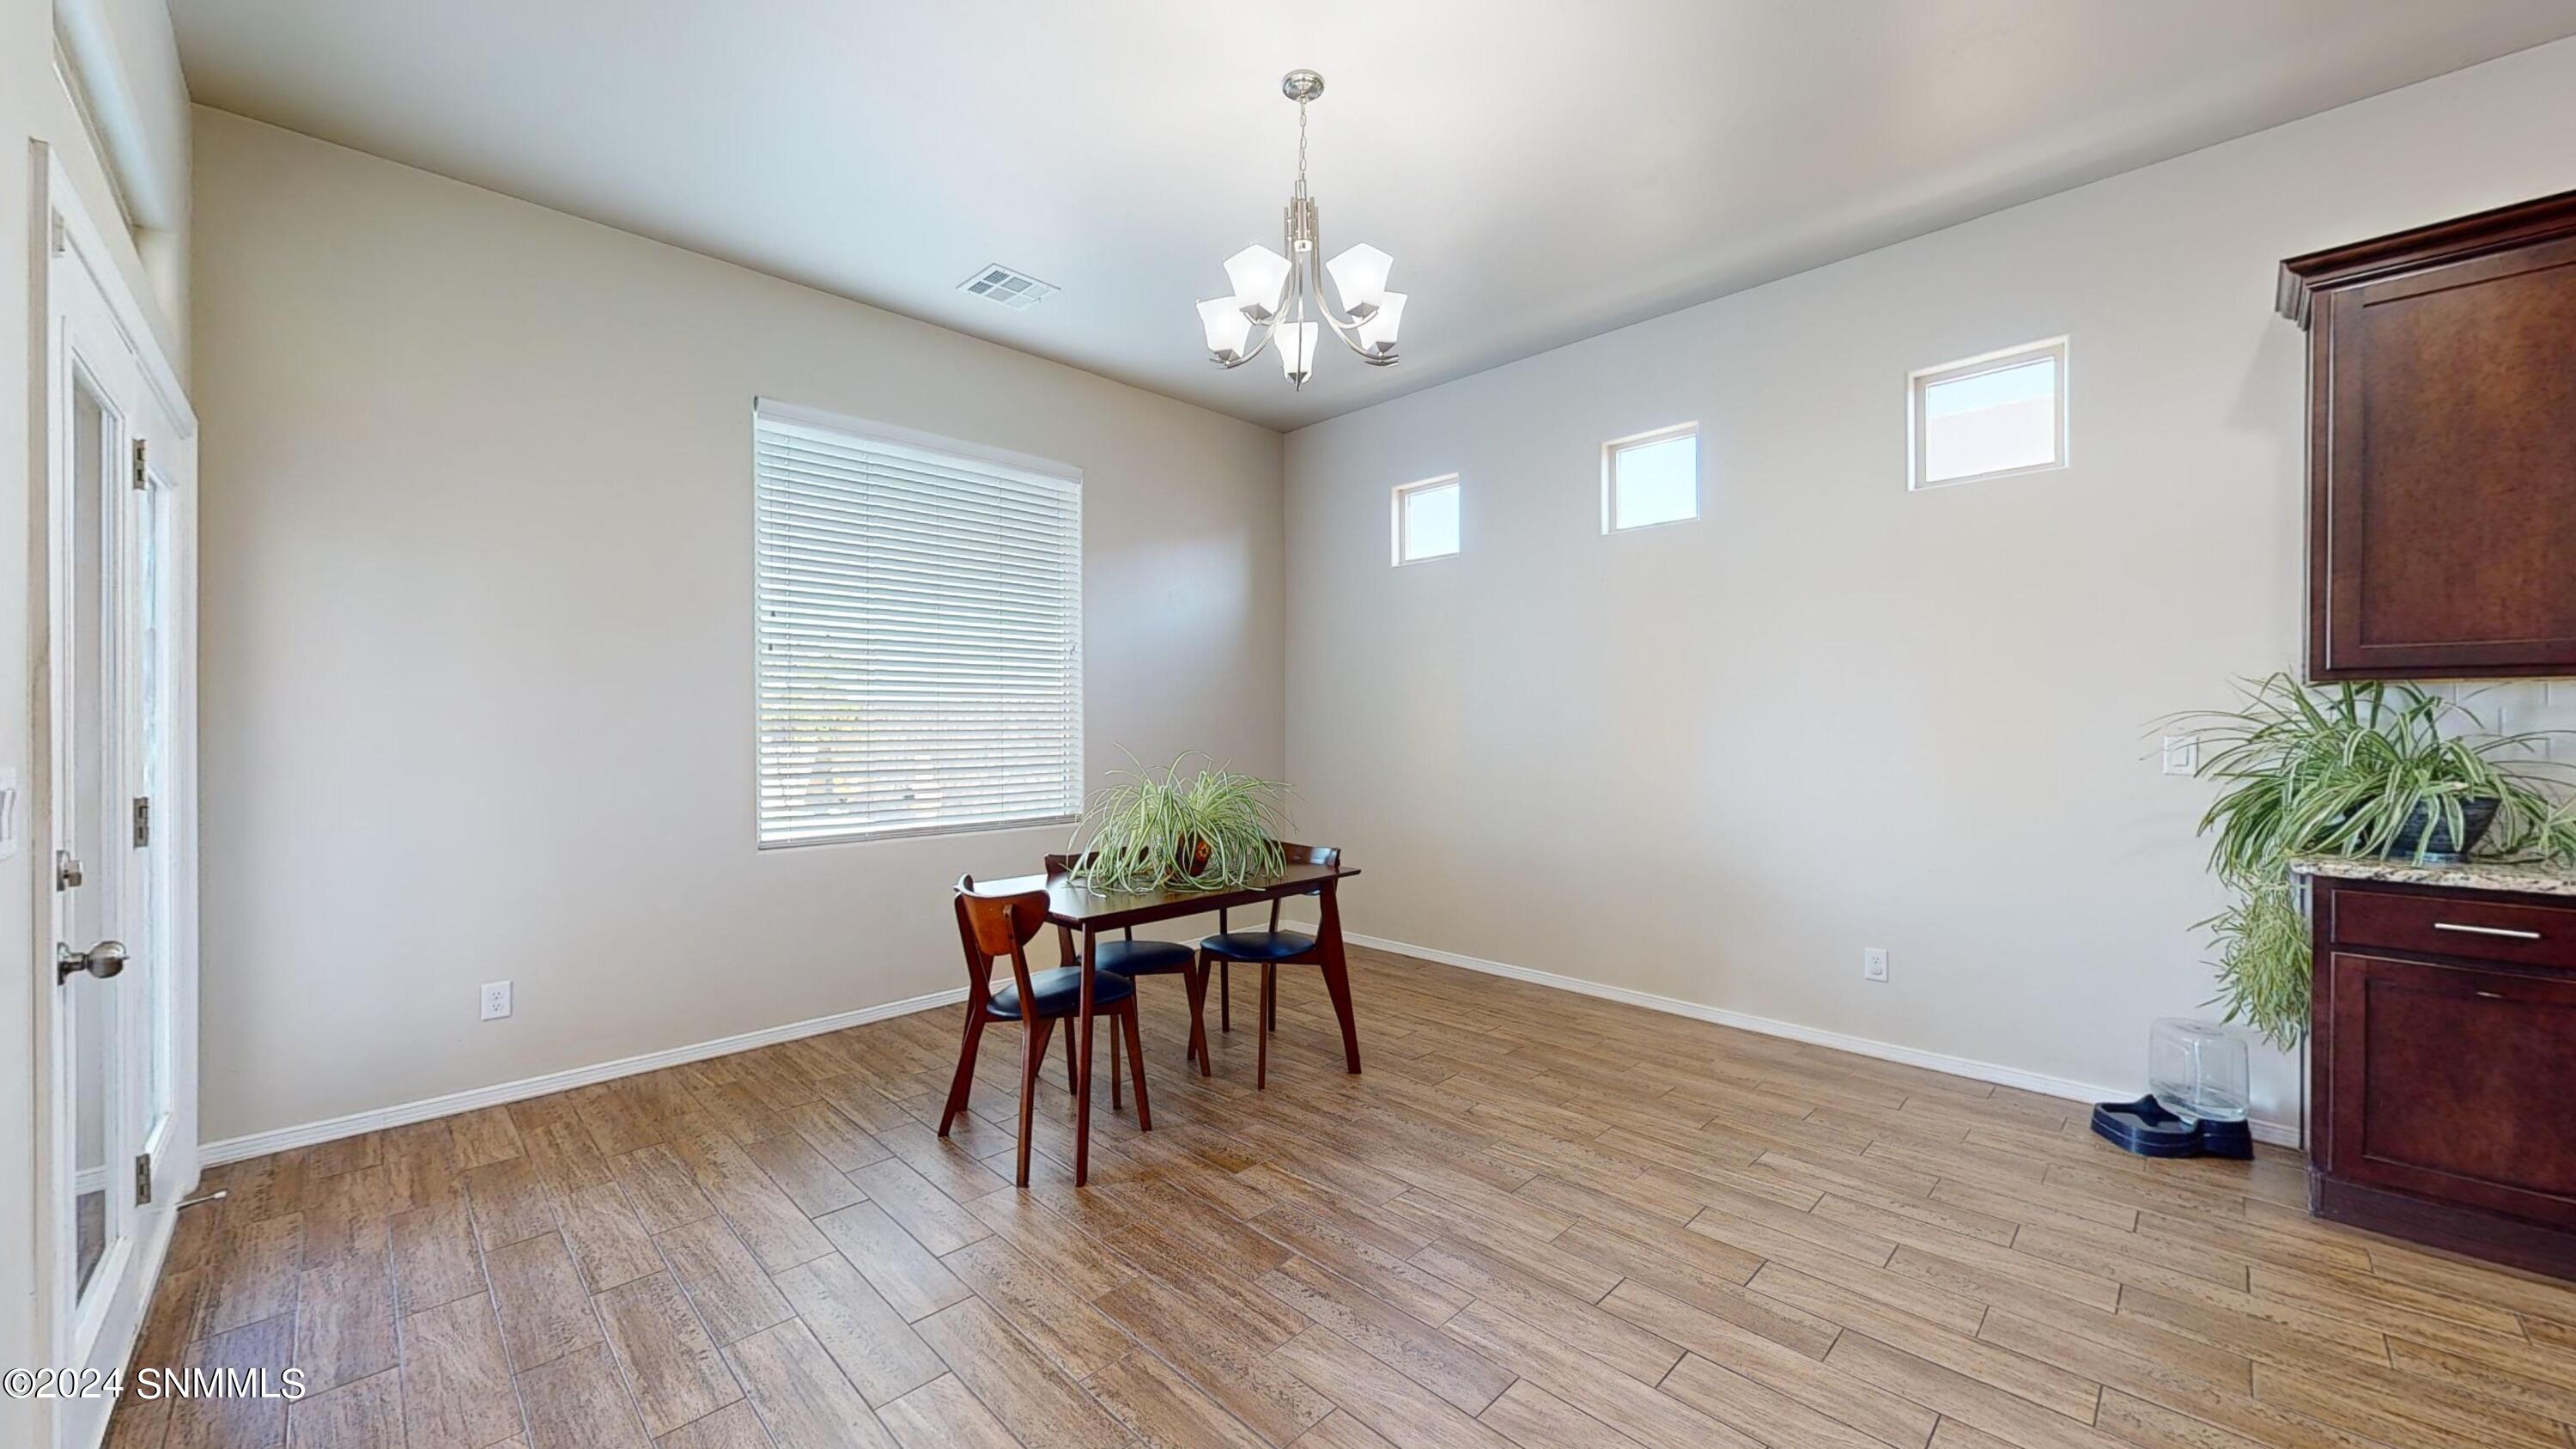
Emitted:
<point x="260" y="1144"/>
<point x="2282" y="1134"/>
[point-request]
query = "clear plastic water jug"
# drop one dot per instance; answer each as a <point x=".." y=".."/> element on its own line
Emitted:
<point x="2197" y="1070"/>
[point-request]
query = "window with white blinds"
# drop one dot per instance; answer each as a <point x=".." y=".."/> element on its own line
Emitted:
<point x="920" y="633"/>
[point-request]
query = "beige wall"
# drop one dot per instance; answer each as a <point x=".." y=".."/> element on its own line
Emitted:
<point x="477" y="630"/>
<point x="34" y="107"/>
<point x="1715" y="761"/>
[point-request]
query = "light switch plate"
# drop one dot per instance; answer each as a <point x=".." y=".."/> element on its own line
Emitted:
<point x="2182" y="754"/>
<point x="12" y="835"/>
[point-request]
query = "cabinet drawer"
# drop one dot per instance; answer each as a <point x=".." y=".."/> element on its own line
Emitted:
<point x="2454" y="923"/>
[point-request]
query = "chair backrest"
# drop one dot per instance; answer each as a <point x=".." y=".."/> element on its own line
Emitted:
<point x="1291" y="853"/>
<point x="991" y="927"/>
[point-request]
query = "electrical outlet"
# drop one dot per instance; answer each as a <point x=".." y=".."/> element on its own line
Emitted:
<point x="1873" y="963"/>
<point x="496" y="1000"/>
<point x="2182" y="754"/>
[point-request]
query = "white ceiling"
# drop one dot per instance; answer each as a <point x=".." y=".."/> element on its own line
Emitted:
<point x="1541" y="169"/>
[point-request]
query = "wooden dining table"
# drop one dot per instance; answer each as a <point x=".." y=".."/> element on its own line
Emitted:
<point x="1093" y="914"/>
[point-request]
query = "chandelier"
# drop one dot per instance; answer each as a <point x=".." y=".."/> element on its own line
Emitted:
<point x="1284" y="296"/>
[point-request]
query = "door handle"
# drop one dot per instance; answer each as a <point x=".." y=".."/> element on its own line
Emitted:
<point x="103" y="960"/>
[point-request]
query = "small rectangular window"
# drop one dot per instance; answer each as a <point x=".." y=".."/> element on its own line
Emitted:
<point x="1651" y="478"/>
<point x="919" y="627"/>
<point x="1426" y="519"/>
<point x="1989" y="417"/>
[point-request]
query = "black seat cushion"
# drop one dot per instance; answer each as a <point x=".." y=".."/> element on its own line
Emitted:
<point x="1258" y="945"/>
<point x="1059" y="993"/>
<point x="1144" y="958"/>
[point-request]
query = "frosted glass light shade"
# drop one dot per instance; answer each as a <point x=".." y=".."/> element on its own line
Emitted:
<point x="1257" y="273"/>
<point x="1297" y="349"/>
<point x="1360" y="275"/>
<point x="1380" y="328"/>
<point x="1227" y="327"/>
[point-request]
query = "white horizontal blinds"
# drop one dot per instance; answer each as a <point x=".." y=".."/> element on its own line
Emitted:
<point x="920" y="638"/>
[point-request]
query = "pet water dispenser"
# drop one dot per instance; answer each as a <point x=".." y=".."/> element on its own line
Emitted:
<point x="2195" y="1102"/>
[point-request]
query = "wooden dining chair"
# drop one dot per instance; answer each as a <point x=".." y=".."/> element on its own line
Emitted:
<point x="1132" y="958"/>
<point x="992" y="927"/>
<point x="1270" y="949"/>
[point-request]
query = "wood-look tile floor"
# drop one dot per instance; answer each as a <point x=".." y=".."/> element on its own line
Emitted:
<point x="1538" y="1219"/>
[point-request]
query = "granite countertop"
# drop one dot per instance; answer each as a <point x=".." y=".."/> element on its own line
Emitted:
<point x="2546" y="879"/>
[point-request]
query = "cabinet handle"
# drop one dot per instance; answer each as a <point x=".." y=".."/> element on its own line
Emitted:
<point x="2488" y="931"/>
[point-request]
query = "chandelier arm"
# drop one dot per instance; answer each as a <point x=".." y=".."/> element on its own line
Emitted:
<point x="1315" y="269"/>
<point x="1269" y="330"/>
<point x="1346" y="329"/>
<point x="1348" y="332"/>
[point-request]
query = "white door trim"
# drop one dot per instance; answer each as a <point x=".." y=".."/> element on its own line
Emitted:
<point x="66" y="236"/>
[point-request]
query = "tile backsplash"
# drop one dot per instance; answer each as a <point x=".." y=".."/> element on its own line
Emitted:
<point x="2511" y="706"/>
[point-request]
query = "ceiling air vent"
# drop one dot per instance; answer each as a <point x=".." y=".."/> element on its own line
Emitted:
<point x="1016" y="290"/>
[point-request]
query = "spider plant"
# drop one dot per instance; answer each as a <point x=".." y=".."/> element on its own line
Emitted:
<point x="2348" y="769"/>
<point x="1156" y="830"/>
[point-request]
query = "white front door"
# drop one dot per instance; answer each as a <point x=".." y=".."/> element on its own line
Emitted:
<point x="119" y="1080"/>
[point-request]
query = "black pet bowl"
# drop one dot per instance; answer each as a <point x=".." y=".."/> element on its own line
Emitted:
<point x="2147" y="1129"/>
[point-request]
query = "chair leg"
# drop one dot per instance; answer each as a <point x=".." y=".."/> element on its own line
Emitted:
<point x="1135" y="1066"/>
<point x="1072" y="1079"/>
<point x="1225" y="996"/>
<point x="1113" y="1059"/>
<point x="1033" y="1051"/>
<point x="959" y="1089"/>
<point x="1197" y="980"/>
<point x="1269" y="983"/>
<point x="1270" y="1007"/>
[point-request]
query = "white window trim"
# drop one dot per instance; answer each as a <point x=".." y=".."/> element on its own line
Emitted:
<point x="1404" y="490"/>
<point x="999" y="458"/>
<point x="1610" y="452"/>
<point x="1921" y="380"/>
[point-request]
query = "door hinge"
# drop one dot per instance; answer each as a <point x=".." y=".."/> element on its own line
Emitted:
<point x="142" y="1178"/>
<point x="59" y="235"/>
<point x="142" y="479"/>
<point x="142" y="820"/>
<point x="67" y="870"/>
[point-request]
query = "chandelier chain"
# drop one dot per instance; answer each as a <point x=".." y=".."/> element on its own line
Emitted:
<point x="1301" y="147"/>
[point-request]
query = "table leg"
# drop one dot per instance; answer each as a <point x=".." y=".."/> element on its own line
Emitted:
<point x="1082" y="1088"/>
<point x="1337" y="976"/>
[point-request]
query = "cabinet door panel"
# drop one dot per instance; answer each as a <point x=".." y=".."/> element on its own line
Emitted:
<point x="2453" y="1082"/>
<point x="2451" y="467"/>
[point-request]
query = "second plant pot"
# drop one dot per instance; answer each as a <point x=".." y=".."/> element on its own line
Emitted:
<point x="2425" y="827"/>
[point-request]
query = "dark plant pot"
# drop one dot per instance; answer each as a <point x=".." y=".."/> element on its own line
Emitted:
<point x="1195" y="853"/>
<point x="2427" y="827"/>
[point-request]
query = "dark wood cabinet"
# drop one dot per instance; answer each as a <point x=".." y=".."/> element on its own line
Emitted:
<point x="2442" y="447"/>
<point x="2443" y="1065"/>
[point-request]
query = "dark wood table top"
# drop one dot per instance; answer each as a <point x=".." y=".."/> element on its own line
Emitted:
<point x="1077" y="906"/>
